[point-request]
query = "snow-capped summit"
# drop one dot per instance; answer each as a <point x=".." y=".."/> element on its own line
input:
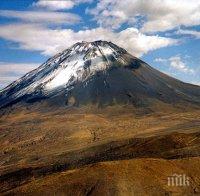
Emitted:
<point x="81" y="60"/>
<point x="96" y="72"/>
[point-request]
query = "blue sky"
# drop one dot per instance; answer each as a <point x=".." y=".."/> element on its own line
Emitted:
<point x="164" y="33"/>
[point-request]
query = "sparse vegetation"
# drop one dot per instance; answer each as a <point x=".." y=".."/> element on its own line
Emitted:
<point x="37" y="144"/>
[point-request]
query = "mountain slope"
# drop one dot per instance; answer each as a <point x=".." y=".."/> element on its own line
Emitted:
<point x="98" y="73"/>
<point x="148" y="131"/>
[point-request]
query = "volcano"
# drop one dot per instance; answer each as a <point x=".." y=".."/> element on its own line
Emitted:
<point x="99" y="73"/>
<point x="95" y="120"/>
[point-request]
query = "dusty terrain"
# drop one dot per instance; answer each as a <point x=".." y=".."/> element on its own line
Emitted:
<point x="119" y="150"/>
<point x="126" y="177"/>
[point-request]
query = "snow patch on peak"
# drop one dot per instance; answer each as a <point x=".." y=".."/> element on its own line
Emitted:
<point x="73" y="65"/>
<point x="84" y="60"/>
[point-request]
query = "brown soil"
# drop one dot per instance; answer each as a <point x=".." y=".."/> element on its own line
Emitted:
<point x="109" y="151"/>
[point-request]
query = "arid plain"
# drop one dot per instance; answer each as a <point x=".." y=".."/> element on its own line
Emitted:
<point x="93" y="151"/>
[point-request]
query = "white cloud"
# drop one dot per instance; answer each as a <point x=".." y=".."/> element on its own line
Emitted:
<point x="42" y="16"/>
<point x="9" y="72"/>
<point x="55" y="5"/>
<point x="176" y="63"/>
<point x="156" y="15"/>
<point x="51" y="41"/>
<point x="196" y="34"/>
<point x="160" y="60"/>
<point x="59" y="4"/>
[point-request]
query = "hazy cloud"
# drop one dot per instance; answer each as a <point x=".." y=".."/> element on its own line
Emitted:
<point x="59" y="4"/>
<point x="12" y="71"/>
<point x="196" y="34"/>
<point x="160" y="60"/>
<point x="175" y="62"/>
<point x="44" y="17"/>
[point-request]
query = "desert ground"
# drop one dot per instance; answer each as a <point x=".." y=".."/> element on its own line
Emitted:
<point x="119" y="150"/>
